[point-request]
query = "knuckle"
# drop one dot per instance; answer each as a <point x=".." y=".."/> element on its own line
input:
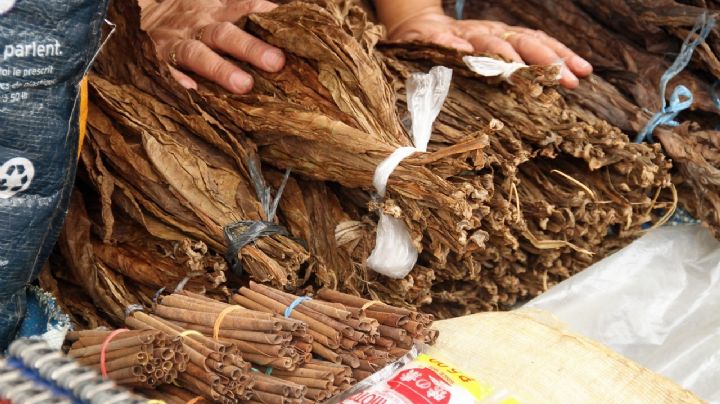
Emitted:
<point x="253" y="47"/>
<point x="186" y="50"/>
<point x="221" y="32"/>
<point x="525" y="41"/>
<point x="220" y="71"/>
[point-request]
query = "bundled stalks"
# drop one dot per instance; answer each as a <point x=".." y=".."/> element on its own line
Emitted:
<point x="646" y="33"/>
<point x="130" y="357"/>
<point x="215" y="371"/>
<point x="262" y="339"/>
<point x="520" y="187"/>
<point x="322" y="379"/>
<point x="346" y="330"/>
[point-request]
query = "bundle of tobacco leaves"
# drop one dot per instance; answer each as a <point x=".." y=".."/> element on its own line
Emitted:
<point x="646" y="37"/>
<point x="127" y="271"/>
<point x="520" y="187"/>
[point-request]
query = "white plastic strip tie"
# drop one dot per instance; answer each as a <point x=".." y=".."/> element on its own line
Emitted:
<point x="394" y="254"/>
<point x="490" y="67"/>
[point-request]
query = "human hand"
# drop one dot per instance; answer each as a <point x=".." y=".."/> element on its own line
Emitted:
<point x="191" y="35"/>
<point x="515" y="43"/>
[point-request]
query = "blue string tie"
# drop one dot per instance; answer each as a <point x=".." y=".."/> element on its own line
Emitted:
<point x="681" y="97"/>
<point x="459" y="6"/>
<point x="294" y="304"/>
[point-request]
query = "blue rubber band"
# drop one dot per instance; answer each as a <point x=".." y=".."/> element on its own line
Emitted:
<point x="268" y="371"/>
<point x="295" y="304"/>
<point x="681" y="98"/>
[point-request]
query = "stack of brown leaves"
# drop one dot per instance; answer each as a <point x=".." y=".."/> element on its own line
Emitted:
<point x="520" y="187"/>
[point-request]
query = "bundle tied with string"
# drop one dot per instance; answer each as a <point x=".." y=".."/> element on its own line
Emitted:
<point x="681" y="97"/>
<point x="394" y="254"/>
<point x="239" y="234"/>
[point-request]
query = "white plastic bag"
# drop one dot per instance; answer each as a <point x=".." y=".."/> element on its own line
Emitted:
<point x="490" y="67"/>
<point x="394" y="254"/>
<point x="656" y="302"/>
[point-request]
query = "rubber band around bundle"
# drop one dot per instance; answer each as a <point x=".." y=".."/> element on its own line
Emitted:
<point x="370" y="304"/>
<point x="133" y="308"/>
<point x="294" y="304"/>
<point x="181" y="285"/>
<point x="103" y="349"/>
<point x="191" y="332"/>
<point x="220" y="318"/>
<point x="195" y="400"/>
<point x="157" y="294"/>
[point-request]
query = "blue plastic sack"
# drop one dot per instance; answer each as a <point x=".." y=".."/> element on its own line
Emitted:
<point x="47" y="47"/>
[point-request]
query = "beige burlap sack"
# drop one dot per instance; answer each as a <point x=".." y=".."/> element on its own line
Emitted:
<point x="533" y="356"/>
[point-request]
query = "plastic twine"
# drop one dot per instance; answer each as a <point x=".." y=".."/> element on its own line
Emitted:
<point x="133" y="308"/>
<point x="459" y="6"/>
<point x="239" y="234"/>
<point x="294" y="304"/>
<point x="181" y="285"/>
<point x="103" y="349"/>
<point x="681" y="97"/>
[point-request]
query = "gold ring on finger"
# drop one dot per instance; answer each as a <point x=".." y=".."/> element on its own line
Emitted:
<point x="173" y="58"/>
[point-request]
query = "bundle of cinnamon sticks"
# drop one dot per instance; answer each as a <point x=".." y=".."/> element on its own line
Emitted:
<point x="348" y="330"/>
<point x="261" y="338"/>
<point x="131" y="357"/>
<point x="214" y="371"/>
<point x="286" y="348"/>
<point x="277" y="346"/>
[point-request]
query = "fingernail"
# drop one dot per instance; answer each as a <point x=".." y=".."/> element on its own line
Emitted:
<point x="241" y="82"/>
<point x="273" y="59"/>
<point x="187" y="83"/>
<point x="581" y="63"/>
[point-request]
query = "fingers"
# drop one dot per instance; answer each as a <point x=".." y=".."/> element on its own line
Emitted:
<point x="494" y="45"/>
<point x="183" y="79"/>
<point x="443" y="38"/>
<point x="579" y="66"/>
<point x="197" y="57"/>
<point x="237" y="9"/>
<point x="451" y="41"/>
<point x="228" y="38"/>
<point x="534" y="50"/>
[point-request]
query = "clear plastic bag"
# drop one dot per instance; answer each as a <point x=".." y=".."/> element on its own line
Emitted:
<point x="656" y="302"/>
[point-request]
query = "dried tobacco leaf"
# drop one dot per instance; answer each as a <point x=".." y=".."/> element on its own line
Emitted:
<point x="520" y="189"/>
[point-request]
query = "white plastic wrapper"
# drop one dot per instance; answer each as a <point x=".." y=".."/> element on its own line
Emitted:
<point x="656" y="302"/>
<point x="420" y="377"/>
<point x="394" y="254"/>
<point x="490" y="67"/>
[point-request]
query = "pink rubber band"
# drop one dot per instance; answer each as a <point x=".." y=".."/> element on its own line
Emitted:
<point x="103" y="349"/>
